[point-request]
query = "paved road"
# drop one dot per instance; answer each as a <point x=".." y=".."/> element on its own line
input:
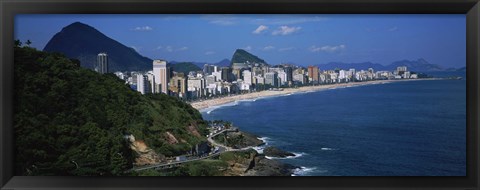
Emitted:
<point x="222" y="149"/>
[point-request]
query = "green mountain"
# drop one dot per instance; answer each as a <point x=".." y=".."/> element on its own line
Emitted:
<point x="185" y="67"/>
<point x="242" y="56"/>
<point x="83" y="42"/>
<point x="69" y="120"/>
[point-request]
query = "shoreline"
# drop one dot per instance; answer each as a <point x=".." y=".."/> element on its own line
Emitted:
<point x="201" y="105"/>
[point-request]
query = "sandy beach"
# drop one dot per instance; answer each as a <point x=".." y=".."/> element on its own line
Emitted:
<point x="199" y="105"/>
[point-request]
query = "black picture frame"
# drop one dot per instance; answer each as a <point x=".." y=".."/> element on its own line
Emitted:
<point x="9" y="8"/>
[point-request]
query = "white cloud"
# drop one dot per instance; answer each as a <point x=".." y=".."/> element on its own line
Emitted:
<point x="248" y="48"/>
<point x="143" y="28"/>
<point x="286" y="49"/>
<point x="285" y="30"/>
<point x="393" y="29"/>
<point x="222" y="20"/>
<point x="171" y="48"/>
<point x="260" y="29"/>
<point x="328" y="49"/>
<point x="209" y="53"/>
<point x="268" y="48"/>
<point x="182" y="49"/>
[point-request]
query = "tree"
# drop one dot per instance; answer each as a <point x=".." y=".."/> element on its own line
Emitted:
<point x="28" y="43"/>
<point x="73" y="121"/>
<point x="18" y="43"/>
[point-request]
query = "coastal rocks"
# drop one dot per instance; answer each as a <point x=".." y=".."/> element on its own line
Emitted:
<point x="251" y="163"/>
<point x="252" y="140"/>
<point x="275" y="152"/>
<point x="242" y="139"/>
<point x="239" y="162"/>
<point x="266" y="167"/>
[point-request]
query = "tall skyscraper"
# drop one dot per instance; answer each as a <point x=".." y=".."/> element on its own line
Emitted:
<point x="102" y="63"/>
<point x="227" y="74"/>
<point x="313" y="73"/>
<point x="161" y="74"/>
<point x="289" y="72"/>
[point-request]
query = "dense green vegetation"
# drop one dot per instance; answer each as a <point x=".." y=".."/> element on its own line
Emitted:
<point x="241" y="56"/>
<point x="196" y="168"/>
<point x="235" y="141"/>
<point x="185" y="67"/>
<point x="72" y="121"/>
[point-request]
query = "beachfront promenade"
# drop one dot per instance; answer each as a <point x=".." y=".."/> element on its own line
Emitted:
<point x="222" y="149"/>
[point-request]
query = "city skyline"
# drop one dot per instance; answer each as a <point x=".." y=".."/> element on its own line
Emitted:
<point x="300" y="39"/>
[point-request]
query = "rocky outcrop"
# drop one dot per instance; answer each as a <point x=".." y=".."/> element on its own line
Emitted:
<point x="253" y="164"/>
<point x="275" y="152"/>
<point x="251" y="139"/>
<point x="240" y="164"/>
<point x="267" y="167"/>
<point x="242" y="139"/>
<point x="170" y="138"/>
<point x="193" y="130"/>
<point x="146" y="155"/>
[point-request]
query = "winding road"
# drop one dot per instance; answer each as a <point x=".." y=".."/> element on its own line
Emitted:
<point x="221" y="149"/>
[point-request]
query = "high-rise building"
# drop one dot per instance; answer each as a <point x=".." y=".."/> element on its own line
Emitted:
<point x="237" y="74"/>
<point x="247" y="77"/>
<point x="271" y="79"/>
<point x="313" y="73"/>
<point x="162" y="75"/>
<point x="282" y="76"/>
<point x="299" y="78"/>
<point x="210" y="79"/>
<point x="143" y="84"/>
<point x="102" y="63"/>
<point x="197" y="85"/>
<point x="402" y="68"/>
<point x="178" y="85"/>
<point x="257" y="71"/>
<point x="208" y="69"/>
<point x="151" y="80"/>
<point x="227" y="74"/>
<point x="289" y="72"/>
<point x="258" y="80"/>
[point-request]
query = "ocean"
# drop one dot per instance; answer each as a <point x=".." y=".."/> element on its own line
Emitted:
<point x="408" y="128"/>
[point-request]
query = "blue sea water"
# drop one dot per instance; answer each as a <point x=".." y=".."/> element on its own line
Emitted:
<point x="410" y="128"/>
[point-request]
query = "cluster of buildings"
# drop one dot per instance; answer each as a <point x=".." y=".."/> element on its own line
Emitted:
<point x="242" y="78"/>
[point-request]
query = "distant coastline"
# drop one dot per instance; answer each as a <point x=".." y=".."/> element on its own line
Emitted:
<point x="204" y="104"/>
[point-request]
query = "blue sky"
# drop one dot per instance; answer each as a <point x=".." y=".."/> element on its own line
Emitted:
<point x="301" y="39"/>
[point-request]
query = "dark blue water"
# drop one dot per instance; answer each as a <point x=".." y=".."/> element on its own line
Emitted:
<point x="411" y="128"/>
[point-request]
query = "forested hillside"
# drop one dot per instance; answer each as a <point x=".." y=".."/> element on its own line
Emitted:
<point x="69" y="120"/>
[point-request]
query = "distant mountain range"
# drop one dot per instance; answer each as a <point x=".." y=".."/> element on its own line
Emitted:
<point x="420" y="65"/>
<point x="83" y="42"/>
